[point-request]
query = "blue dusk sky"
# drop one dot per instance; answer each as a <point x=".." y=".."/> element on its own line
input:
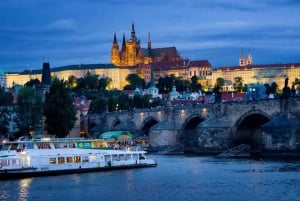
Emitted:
<point x="66" y="32"/>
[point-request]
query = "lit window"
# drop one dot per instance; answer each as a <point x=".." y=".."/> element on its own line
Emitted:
<point x="61" y="160"/>
<point x="77" y="159"/>
<point x="69" y="159"/>
<point x="52" y="160"/>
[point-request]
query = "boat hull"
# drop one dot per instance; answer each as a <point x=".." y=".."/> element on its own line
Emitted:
<point x="26" y="173"/>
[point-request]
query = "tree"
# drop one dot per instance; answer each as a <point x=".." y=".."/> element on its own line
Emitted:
<point x="220" y="82"/>
<point x="33" y="83"/>
<point x="98" y="106"/>
<point x="165" y="84"/>
<point x="72" y="80"/>
<point x="134" y="82"/>
<point x="6" y="98"/>
<point x="238" y="84"/>
<point x="91" y="81"/>
<point x="29" y="110"/>
<point x="195" y="86"/>
<point x="59" y="110"/>
<point x="3" y="121"/>
<point x="104" y="83"/>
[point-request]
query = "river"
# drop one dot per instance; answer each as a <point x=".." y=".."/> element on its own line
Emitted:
<point x="176" y="178"/>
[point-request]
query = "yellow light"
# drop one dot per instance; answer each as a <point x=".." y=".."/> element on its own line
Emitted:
<point x="47" y="139"/>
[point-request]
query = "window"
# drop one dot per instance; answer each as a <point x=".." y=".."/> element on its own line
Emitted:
<point x="85" y="159"/>
<point x="61" y="160"/>
<point x="69" y="159"/>
<point x="52" y="160"/>
<point x="77" y="159"/>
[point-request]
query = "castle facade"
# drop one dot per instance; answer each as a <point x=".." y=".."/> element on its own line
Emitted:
<point x="131" y="53"/>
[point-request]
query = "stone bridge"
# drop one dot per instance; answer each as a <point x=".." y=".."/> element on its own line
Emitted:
<point x="210" y="128"/>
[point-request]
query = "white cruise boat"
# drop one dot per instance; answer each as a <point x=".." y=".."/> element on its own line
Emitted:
<point x="32" y="157"/>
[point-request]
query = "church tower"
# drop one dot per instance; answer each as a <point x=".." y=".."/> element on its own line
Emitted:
<point x="115" y="56"/>
<point x="242" y="61"/>
<point x="149" y="42"/>
<point x="249" y="58"/>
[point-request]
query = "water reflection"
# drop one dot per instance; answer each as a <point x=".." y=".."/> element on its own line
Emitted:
<point x="24" y="186"/>
<point x="176" y="178"/>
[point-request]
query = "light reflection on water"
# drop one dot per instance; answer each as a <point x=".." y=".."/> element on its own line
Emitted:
<point x="175" y="178"/>
<point x="23" y="187"/>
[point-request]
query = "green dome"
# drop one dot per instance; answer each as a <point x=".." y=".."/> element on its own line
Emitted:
<point x="1" y="73"/>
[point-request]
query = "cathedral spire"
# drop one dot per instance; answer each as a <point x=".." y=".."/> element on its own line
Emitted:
<point x="249" y="58"/>
<point x="242" y="54"/>
<point x="124" y="41"/>
<point x="242" y="60"/>
<point x="149" y="41"/>
<point x="133" y="32"/>
<point x="115" y="38"/>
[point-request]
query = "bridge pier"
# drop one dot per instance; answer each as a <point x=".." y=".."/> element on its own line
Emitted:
<point x="163" y="135"/>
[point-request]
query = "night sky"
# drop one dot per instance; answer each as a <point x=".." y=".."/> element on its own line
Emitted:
<point x="66" y="32"/>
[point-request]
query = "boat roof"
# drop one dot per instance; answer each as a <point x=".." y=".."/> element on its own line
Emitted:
<point x="116" y="135"/>
<point x="50" y="140"/>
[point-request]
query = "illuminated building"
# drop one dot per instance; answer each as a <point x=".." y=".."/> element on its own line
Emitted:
<point x="131" y="52"/>
<point x="262" y="74"/>
<point x="131" y="58"/>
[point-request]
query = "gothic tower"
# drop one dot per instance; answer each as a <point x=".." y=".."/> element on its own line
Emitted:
<point x="131" y="52"/>
<point x="242" y="61"/>
<point x="115" y="56"/>
<point x="249" y="58"/>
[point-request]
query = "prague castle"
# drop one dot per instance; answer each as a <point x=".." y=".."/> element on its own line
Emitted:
<point x="131" y="58"/>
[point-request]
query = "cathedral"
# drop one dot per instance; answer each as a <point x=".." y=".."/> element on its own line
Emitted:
<point x="131" y="52"/>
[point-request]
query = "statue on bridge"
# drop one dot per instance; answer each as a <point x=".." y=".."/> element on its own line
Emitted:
<point x="285" y="95"/>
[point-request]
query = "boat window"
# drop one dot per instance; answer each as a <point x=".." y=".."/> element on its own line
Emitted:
<point x="4" y="147"/>
<point x="69" y="159"/>
<point x="4" y="162"/>
<point x="61" y="160"/>
<point x="21" y="146"/>
<point x="134" y="156"/>
<point x="85" y="159"/>
<point x="13" y="147"/>
<point x="43" y="146"/>
<point x="52" y="160"/>
<point x="30" y="146"/>
<point x="141" y="157"/>
<point x="127" y="156"/>
<point x="107" y="157"/>
<point x="92" y="157"/>
<point x="114" y="157"/>
<point x="77" y="159"/>
<point x="71" y="145"/>
<point x="15" y="162"/>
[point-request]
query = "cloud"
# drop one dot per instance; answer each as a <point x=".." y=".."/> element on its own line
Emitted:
<point x="62" y="25"/>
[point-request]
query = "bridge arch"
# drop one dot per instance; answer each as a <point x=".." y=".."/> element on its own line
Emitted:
<point x="188" y="132"/>
<point x="247" y="130"/>
<point x="146" y="125"/>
